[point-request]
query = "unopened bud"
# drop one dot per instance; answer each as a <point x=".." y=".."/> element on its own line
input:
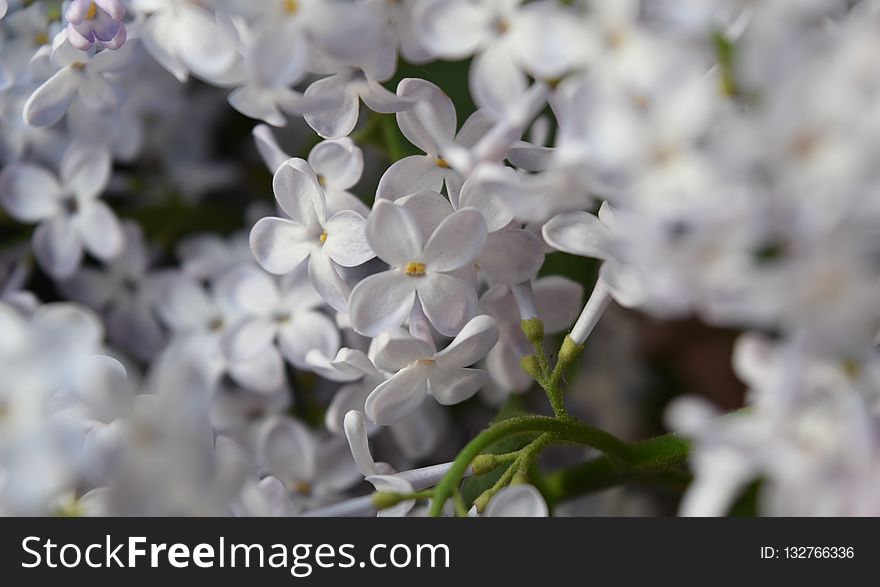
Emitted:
<point x="530" y="365"/>
<point x="534" y="330"/>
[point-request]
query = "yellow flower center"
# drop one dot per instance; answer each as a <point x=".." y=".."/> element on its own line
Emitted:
<point x="441" y="162"/>
<point x="291" y="6"/>
<point x="92" y="12"/>
<point x="78" y="66"/>
<point x="322" y="181"/>
<point x="323" y="237"/>
<point x="303" y="488"/>
<point x="415" y="269"/>
<point x="41" y="39"/>
<point x="425" y="362"/>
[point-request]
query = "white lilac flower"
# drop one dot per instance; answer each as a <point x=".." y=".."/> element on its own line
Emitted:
<point x="185" y="37"/>
<point x="328" y="242"/>
<point x="313" y="467"/>
<point x="283" y="311"/>
<point x="429" y="171"/>
<point x="338" y="165"/>
<point x="209" y="256"/>
<point x="398" y="34"/>
<point x="422" y="267"/>
<point x="71" y="217"/>
<point x="416" y="436"/>
<point x="125" y="294"/>
<point x="419" y="370"/>
<point x="85" y="76"/>
<point x="274" y="61"/>
<point x="340" y="95"/>
<point x="508" y="38"/>
<point x="200" y="320"/>
<point x="381" y="475"/>
<point x="91" y="22"/>
<point x="810" y="434"/>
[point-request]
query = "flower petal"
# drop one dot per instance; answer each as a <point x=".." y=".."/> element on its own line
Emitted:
<point x="341" y="105"/>
<point x="288" y="450"/>
<point x="247" y="338"/>
<point x="305" y="332"/>
<point x="57" y="247"/>
<point x="517" y="501"/>
<point x="397" y="348"/>
<point x="356" y="432"/>
<point x="280" y="245"/>
<point x="453" y="386"/>
<point x="443" y="109"/>
<point x="247" y="288"/>
<point x="397" y="397"/>
<point x="273" y="156"/>
<point x="471" y="345"/>
<point x="453" y="29"/>
<point x="511" y="256"/>
<point x="100" y="230"/>
<point x="257" y="103"/>
<point x="327" y="282"/>
<point x="381" y="301"/>
<point x="86" y="170"/>
<point x="28" y="192"/>
<point x="346" y="241"/>
<point x="496" y="81"/>
<point x="340" y="162"/>
<point x="264" y="372"/>
<point x="558" y="300"/>
<point x="393" y="234"/>
<point x="448" y="301"/>
<point x="48" y="104"/>
<point x="456" y="242"/>
<point x="578" y="233"/>
<point x="409" y="175"/>
<point x="298" y="193"/>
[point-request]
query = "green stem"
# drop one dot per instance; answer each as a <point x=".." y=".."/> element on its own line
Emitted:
<point x="646" y="459"/>
<point x="561" y="430"/>
<point x="460" y="508"/>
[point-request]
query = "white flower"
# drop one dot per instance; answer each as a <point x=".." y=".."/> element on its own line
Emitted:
<point x="199" y="321"/>
<point x="281" y="244"/>
<point x="125" y="293"/>
<point x="83" y="76"/>
<point x="416" y="436"/>
<point x="420" y="267"/>
<point x="429" y="171"/>
<point x="419" y="370"/>
<point x="509" y="40"/>
<point x="313" y="467"/>
<point x="341" y="94"/>
<point x="338" y="165"/>
<point x="209" y="256"/>
<point x="183" y="36"/>
<point x="69" y="213"/>
<point x="285" y="310"/>
<point x="381" y="475"/>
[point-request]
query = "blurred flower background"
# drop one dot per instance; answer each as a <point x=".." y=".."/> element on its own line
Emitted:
<point x="268" y="258"/>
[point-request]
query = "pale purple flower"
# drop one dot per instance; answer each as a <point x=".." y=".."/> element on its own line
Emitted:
<point x="95" y="22"/>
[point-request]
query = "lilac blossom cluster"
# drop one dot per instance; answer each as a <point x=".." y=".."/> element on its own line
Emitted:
<point x="715" y="156"/>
